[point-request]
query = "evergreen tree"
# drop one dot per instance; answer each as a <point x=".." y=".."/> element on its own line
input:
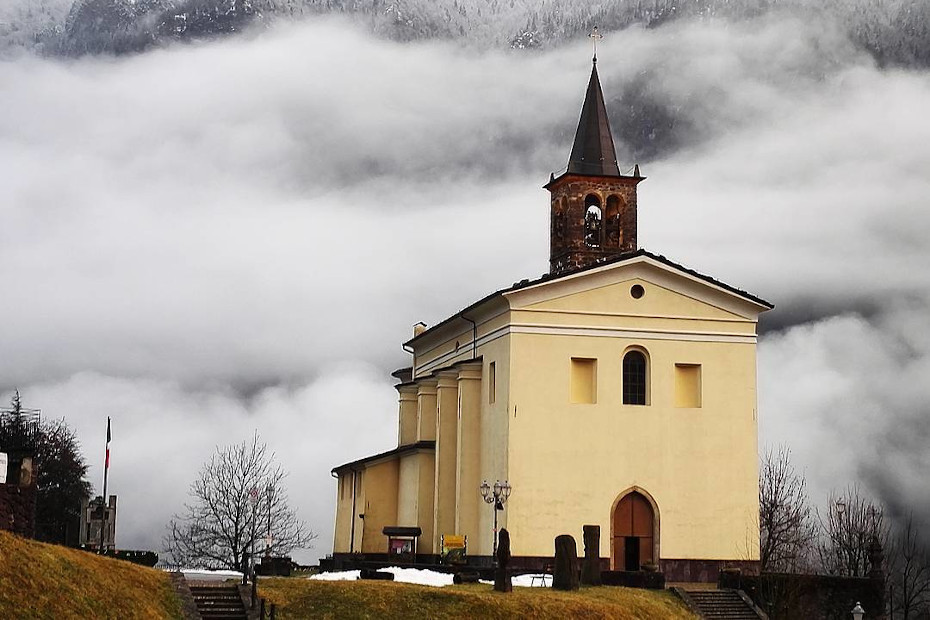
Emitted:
<point x="59" y="465"/>
<point x="61" y="483"/>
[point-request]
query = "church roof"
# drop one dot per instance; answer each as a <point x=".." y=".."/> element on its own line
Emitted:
<point x="593" y="151"/>
<point x="549" y="277"/>
<point x="396" y="452"/>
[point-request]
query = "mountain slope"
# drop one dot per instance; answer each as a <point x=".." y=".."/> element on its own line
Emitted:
<point x="895" y="32"/>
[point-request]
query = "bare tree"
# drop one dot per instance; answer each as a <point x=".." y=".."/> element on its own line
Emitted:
<point x="908" y="572"/>
<point x="238" y="500"/>
<point x="849" y="528"/>
<point x="786" y="525"/>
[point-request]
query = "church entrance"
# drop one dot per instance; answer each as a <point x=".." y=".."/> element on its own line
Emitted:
<point x="633" y="533"/>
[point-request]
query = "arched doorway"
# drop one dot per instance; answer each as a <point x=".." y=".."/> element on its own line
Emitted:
<point x="634" y="532"/>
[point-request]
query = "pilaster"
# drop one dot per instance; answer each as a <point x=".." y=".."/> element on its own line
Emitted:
<point x="468" y="459"/>
<point x="446" y="453"/>
<point x="407" y="414"/>
<point x="426" y="409"/>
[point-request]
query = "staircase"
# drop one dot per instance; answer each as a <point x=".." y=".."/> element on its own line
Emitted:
<point x="218" y="602"/>
<point x="721" y="605"/>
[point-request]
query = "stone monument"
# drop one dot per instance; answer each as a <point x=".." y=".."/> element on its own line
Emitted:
<point x="591" y="567"/>
<point x="565" y="572"/>
<point x="502" y="582"/>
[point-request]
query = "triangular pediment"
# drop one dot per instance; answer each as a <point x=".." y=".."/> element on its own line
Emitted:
<point x="666" y="292"/>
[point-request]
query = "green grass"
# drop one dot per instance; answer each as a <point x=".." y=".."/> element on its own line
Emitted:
<point x="303" y="598"/>
<point x="48" y="581"/>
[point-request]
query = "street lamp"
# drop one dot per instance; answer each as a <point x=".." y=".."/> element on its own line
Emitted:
<point x="873" y="519"/>
<point x="845" y="555"/>
<point x="269" y="492"/>
<point x="496" y="495"/>
<point x="253" y="499"/>
<point x="858" y="612"/>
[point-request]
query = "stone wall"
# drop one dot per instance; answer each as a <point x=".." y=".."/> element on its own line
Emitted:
<point x="703" y="571"/>
<point x="18" y="509"/>
<point x="785" y="596"/>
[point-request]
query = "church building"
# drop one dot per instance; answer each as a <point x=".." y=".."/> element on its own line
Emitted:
<point x="618" y="390"/>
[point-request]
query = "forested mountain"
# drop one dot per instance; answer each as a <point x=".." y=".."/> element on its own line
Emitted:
<point x="895" y="32"/>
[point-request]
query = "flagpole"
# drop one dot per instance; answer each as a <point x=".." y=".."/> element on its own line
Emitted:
<point x="106" y="471"/>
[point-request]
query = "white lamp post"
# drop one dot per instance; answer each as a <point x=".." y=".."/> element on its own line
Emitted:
<point x="496" y="495"/>
<point x="858" y="612"/>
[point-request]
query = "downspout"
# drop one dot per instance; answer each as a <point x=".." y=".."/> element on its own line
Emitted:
<point x="413" y="362"/>
<point x="354" y="517"/>
<point x="474" y="337"/>
<point x="336" y="519"/>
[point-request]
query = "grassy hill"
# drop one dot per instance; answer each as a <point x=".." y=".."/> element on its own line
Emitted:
<point x="48" y="581"/>
<point x="302" y="598"/>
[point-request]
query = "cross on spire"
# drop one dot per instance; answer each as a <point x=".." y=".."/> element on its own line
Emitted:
<point x="595" y="36"/>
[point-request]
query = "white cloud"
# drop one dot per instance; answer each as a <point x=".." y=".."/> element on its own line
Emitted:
<point x="849" y="396"/>
<point x="163" y="433"/>
<point x="194" y="239"/>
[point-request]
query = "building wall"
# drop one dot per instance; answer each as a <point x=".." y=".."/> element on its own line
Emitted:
<point x="408" y="492"/>
<point x="567" y="240"/>
<point x="342" y="534"/>
<point x="380" y="504"/>
<point x="476" y="435"/>
<point x="477" y="432"/>
<point x="447" y="422"/>
<point x="569" y="462"/>
<point x="468" y="452"/>
<point x="407" y="415"/>
<point x="426" y="462"/>
<point x="495" y="420"/>
<point x="693" y="454"/>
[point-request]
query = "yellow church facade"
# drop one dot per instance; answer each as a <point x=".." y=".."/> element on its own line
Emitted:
<point x="619" y="390"/>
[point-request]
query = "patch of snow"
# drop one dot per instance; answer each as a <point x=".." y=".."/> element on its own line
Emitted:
<point x="532" y="581"/>
<point x="432" y="578"/>
<point x="420" y="576"/>
<point x="340" y="575"/>
<point x="202" y="574"/>
<point x="402" y="575"/>
<point x="525" y="581"/>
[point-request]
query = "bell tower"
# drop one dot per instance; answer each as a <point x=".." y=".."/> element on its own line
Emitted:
<point x="593" y="208"/>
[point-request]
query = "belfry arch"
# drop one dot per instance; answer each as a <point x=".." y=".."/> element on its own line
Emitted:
<point x="634" y="530"/>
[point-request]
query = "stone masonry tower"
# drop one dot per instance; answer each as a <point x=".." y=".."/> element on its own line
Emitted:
<point x="593" y="215"/>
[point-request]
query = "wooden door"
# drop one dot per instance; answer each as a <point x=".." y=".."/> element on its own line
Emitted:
<point x="634" y="524"/>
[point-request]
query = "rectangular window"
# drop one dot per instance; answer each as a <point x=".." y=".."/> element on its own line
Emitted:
<point x="492" y="382"/>
<point x="584" y="380"/>
<point x="688" y="385"/>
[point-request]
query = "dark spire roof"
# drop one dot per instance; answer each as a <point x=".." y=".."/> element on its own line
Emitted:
<point x="593" y="151"/>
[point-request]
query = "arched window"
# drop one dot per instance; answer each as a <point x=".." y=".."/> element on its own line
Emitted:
<point x="634" y="378"/>
<point x="592" y="221"/>
<point x="612" y="214"/>
<point x="558" y="220"/>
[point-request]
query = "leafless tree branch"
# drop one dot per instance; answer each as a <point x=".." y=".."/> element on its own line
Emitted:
<point x="220" y="524"/>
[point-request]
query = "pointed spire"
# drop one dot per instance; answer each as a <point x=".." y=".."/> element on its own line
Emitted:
<point x="593" y="151"/>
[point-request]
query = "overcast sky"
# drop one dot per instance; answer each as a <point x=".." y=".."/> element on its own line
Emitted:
<point x="208" y="239"/>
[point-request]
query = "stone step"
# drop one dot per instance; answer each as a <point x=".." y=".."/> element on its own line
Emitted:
<point x="218" y="602"/>
<point x="722" y="605"/>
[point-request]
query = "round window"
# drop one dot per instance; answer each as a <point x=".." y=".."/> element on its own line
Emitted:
<point x="637" y="291"/>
